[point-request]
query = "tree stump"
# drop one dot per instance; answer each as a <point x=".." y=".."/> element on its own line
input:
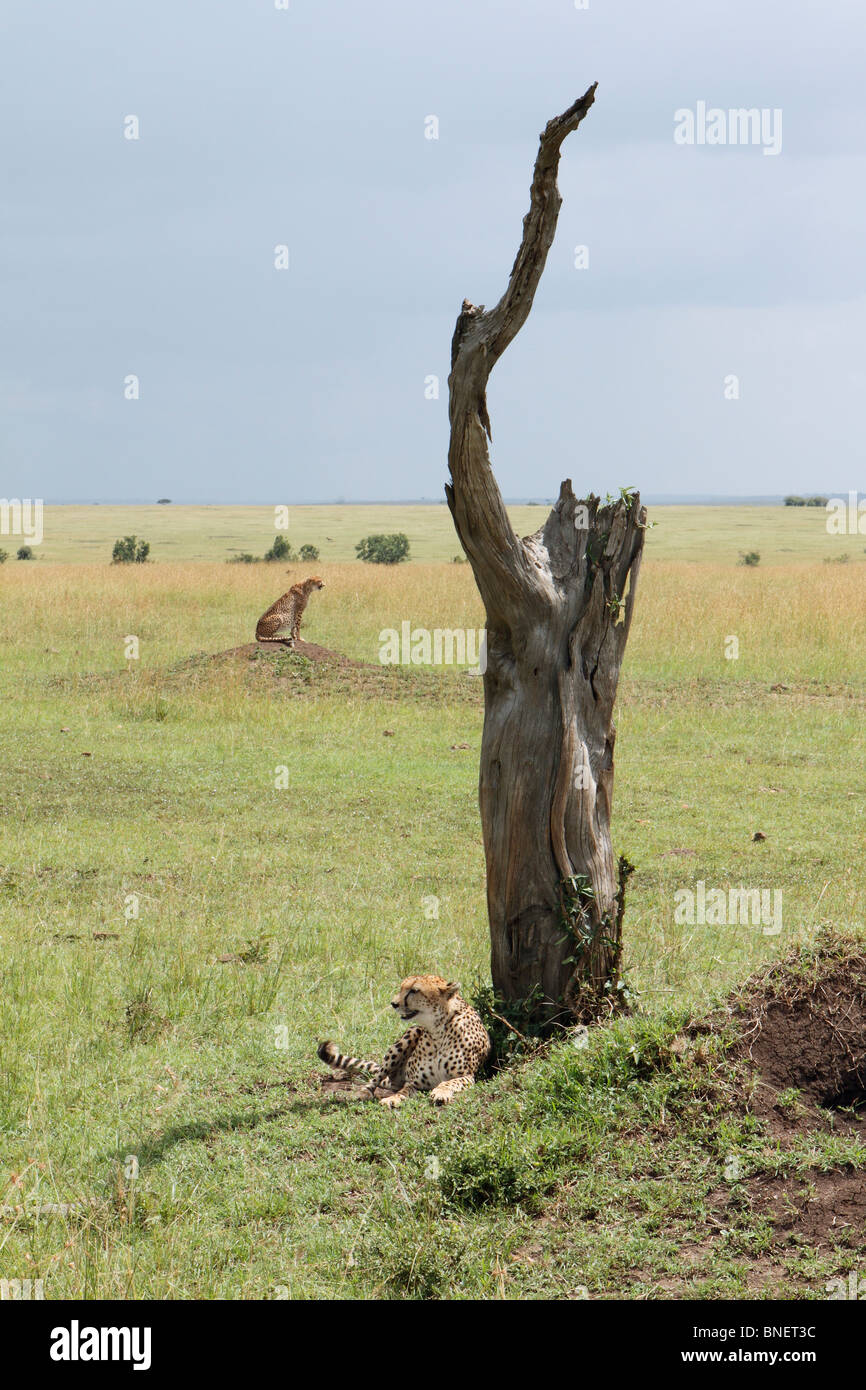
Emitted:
<point x="559" y="606"/>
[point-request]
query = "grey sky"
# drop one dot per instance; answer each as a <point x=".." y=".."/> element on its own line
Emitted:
<point x="306" y="127"/>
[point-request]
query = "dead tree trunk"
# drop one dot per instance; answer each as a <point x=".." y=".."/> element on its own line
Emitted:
<point x="559" y="606"/>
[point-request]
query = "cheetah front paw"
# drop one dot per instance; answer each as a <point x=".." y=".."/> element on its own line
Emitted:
<point x="391" y="1102"/>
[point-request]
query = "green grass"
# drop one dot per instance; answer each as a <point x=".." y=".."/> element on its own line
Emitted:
<point x="583" y="1171"/>
<point x="781" y="535"/>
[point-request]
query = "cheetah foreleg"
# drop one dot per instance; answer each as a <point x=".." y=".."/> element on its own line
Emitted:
<point x="447" y="1090"/>
<point x="396" y="1100"/>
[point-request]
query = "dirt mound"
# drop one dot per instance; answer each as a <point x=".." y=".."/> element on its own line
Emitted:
<point x="800" y="1046"/>
<point x="804" y="1034"/>
<point x="258" y="651"/>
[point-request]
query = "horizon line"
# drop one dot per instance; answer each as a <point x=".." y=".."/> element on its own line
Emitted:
<point x="651" y="499"/>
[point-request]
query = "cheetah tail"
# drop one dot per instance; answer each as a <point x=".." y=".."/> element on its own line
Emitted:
<point x="329" y="1052"/>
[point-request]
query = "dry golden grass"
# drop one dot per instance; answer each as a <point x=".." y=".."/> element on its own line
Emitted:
<point x="793" y="623"/>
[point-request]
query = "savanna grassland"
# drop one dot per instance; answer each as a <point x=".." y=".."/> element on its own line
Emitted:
<point x="163" y="1131"/>
<point x="782" y="535"/>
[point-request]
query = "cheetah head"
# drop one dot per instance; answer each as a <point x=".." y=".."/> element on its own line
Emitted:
<point x="314" y="582"/>
<point x="424" y="999"/>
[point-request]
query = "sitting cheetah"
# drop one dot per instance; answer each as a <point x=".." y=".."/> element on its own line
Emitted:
<point x="287" y="612"/>
<point x="441" y="1054"/>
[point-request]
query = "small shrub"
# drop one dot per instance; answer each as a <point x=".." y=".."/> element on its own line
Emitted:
<point x="750" y="557"/>
<point x="143" y="1022"/>
<point x="243" y="559"/>
<point x="795" y="501"/>
<point x="513" y="1028"/>
<point x="383" y="550"/>
<point x="280" y="550"/>
<point x="4" y="556"/>
<point x="408" y="1260"/>
<point x="257" y="950"/>
<point x="163" y="501"/>
<point x="308" y="552"/>
<point x="25" y="552"/>
<point x="130" y="551"/>
<point x="496" y="1172"/>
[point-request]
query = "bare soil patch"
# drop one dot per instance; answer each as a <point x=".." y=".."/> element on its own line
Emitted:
<point x="807" y="1034"/>
<point x="823" y="1209"/>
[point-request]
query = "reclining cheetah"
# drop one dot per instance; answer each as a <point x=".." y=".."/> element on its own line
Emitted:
<point x="287" y="612"/>
<point x="441" y="1054"/>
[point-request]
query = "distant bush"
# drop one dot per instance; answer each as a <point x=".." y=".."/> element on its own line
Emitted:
<point x="4" y="556"/>
<point x="25" y="552"/>
<point x="130" y="551"/>
<point x="750" y="557"/>
<point x="163" y="501"/>
<point x="383" y="550"/>
<point x="280" y="550"/>
<point x="837" y="559"/>
<point x="795" y="501"/>
<point x="458" y="559"/>
<point x="817" y="501"/>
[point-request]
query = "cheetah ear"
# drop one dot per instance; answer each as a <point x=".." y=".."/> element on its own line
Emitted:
<point x="451" y="989"/>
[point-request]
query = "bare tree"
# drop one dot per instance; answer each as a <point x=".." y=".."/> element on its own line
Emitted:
<point x="559" y="606"/>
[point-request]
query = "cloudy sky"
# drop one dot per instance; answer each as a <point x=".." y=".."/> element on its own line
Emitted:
<point x="306" y="127"/>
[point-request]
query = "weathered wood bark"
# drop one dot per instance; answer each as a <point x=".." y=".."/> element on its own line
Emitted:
<point x="559" y="606"/>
